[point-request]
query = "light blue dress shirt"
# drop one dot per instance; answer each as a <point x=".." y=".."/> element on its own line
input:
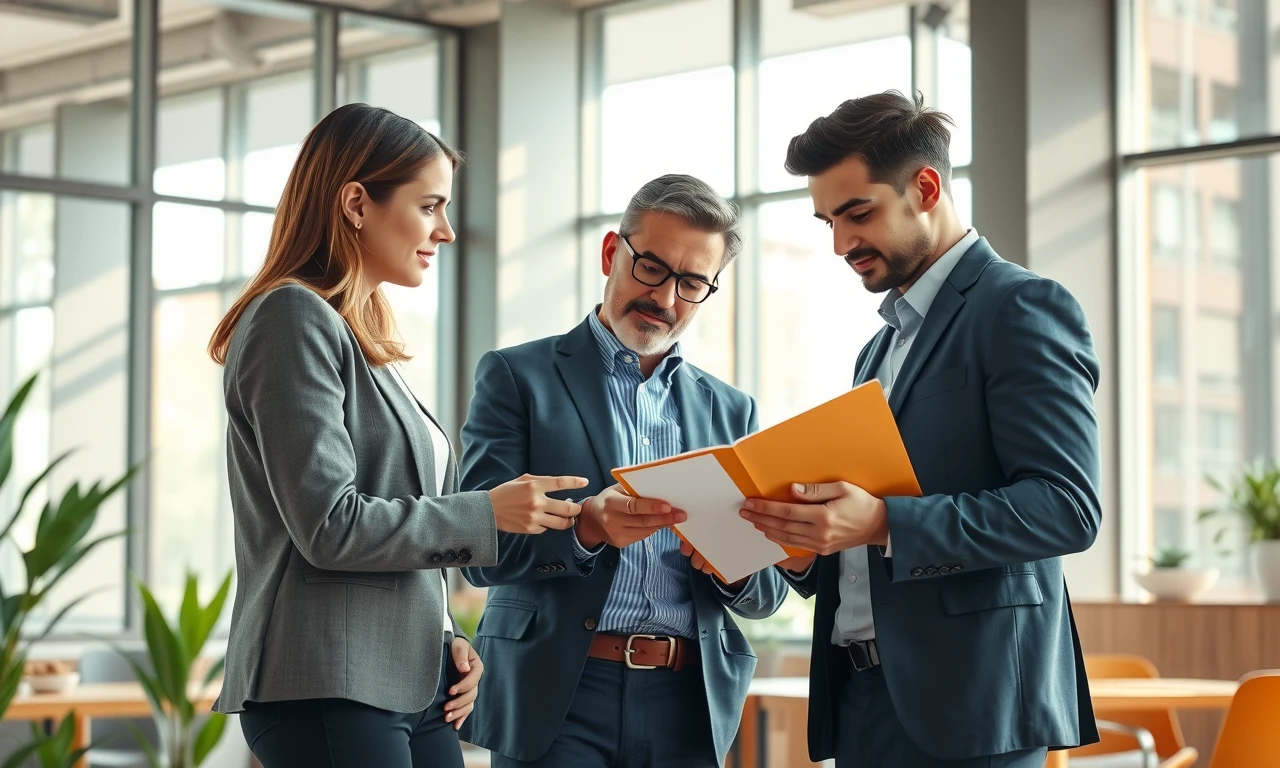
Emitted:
<point x="905" y="313"/>
<point x="651" y="593"/>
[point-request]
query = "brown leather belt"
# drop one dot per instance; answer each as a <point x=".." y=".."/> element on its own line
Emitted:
<point x="645" y="651"/>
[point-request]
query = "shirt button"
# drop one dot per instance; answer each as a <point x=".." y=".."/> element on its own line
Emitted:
<point x="853" y="578"/>
<point x="902" y="341"/>
<point x="626" y="358"/>
<point x="589" y="624"/>
<point x="644" y="441"/>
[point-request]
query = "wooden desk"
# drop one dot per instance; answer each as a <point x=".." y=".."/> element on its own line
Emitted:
<point x="1109" y="695"/>
<point x="97" y="700"/>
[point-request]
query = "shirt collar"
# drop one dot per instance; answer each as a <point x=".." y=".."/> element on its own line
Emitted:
<point x="614" y="355"/>
<point x="922" y="293"/>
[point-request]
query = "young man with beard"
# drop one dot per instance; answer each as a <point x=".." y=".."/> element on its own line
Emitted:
<point x="609" y="645"/>
<point x="943" y="633"/>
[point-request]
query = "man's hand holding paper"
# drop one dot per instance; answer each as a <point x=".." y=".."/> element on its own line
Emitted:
<point x="825" y="518"/>
<point x="615" y="518"/>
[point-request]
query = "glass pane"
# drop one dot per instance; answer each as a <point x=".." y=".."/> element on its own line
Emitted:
<point x="417" y="312"/>
<point x="189" y="245"/>
<point x="69" y="325"/>
<point x="65" y="109"/>
<point x="26" y="248"/>
<point x="814" y="317"/>
<point x="955" y="79"/>
<point x="667" y="108"/>
<point x="190" y="144"/>
<point x="391" y="65"/>
<point x="1200" y="72"/>
<point x="190" y="525"/>
<point x="1211" y="292"/>
<point x="693" y="35"/>
<point x="708" y="342"/>
<point x="237" y="139"/>
<point x="796" y="88"/>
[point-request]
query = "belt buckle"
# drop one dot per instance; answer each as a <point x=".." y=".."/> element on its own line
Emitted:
<point x="628" y="650"/>
<point x="865" y="657"/>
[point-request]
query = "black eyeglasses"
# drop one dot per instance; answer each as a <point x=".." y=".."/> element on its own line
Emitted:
<point x="649" y="270"/>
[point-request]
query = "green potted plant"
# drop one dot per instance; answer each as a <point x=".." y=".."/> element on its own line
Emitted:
<point x="173" y="651"/>
<point x="60" y="542"/>
<point x="1170" y="579"/>
<point x="1254" y="499"/>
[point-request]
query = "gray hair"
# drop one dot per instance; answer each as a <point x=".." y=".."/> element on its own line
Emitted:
<point x="692" y="200"/>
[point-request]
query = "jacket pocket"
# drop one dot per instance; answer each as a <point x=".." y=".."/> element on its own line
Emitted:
<point x="952" y="378"/>
<point x="314" y="575"/>
<point x="1002" y="591"/>
<point x="506" y="618"/>
<point x="733" y="641"/>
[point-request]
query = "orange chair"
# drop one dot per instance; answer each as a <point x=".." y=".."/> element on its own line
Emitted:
<point x="1145" y="730"/>
<point x="1250" y="735"/>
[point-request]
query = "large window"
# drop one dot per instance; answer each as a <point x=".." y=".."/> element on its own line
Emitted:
<point x="1197" y="209"/>
<point x="117" y="324"/>
<point x="720" y="99"/>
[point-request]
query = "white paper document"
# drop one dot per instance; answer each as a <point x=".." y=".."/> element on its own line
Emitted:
<point x="701" y="488"/>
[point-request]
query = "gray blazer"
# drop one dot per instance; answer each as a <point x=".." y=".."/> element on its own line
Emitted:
<point x="339" y="537"/>
<point x="973" y="622"/>
<point x="542" y="408"/>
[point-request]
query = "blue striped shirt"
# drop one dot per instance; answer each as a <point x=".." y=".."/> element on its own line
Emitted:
<point x="651" y="592"/>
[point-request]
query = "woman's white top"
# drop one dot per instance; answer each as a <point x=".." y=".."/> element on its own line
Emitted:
<point x="440" y="450"/>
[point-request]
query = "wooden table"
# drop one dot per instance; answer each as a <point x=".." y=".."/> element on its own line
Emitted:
<point x="1109" y="695"/>
<point x="97" y="700"/>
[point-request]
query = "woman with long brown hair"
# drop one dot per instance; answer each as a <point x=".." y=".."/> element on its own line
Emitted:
<point x="344" y="489"/>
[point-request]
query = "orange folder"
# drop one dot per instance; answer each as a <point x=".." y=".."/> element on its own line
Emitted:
<point x="852" y="438"/>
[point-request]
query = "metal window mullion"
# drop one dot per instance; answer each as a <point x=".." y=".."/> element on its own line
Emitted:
<point x="146" y="39"/>
<point x="746" y="141"/>
<point x="325" y="79"/>
<point x="448" y="341"/>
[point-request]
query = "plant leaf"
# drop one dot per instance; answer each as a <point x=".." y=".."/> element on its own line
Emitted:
<point x="57" y="617"/>
<point x="169" y="659"/>
<point x="69" y="560"/>
<point x="19" y="759"/>
<point x="208" y="736"/>
<point x="150" y="685"/>
<point x="8" y="422"/>
<point x="9" y="680"/>
<point x="152" y="758"/>
<point x="190" y="616"/>
<point x="215" y="670"/>
<point x="211" y="613"/>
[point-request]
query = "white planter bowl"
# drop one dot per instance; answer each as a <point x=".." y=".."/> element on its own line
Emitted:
<point x="53" y="683"/>
<point x="1266" y="566"/>
<point x="1177" y="583"/>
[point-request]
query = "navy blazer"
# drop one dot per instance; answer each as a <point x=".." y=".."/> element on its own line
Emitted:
<point x="973" y="623"/>
<point x="542" y="408"/>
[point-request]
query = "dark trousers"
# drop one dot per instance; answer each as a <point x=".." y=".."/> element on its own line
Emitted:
<point x="631" y="718"/>
<point x="337" y="733"/>
<point x="869" y="734"/>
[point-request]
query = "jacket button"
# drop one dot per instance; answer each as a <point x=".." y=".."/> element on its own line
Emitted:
<point x="464" y="556"/>
<point x="542" y="569"/>
<point x="437" y="558"/>
<point x="450" y="556"/>
<point x="943" y="570"/>
<point x="589" y="624"/>
<point x="956" y="568"/>
<point x="917" y="571"/>
<point x="559" y="566"/>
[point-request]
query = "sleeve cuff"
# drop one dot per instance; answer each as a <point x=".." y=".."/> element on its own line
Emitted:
<point x="726" y="590"/>
<point x="581" y="553"/>
<point x="793" y="576"/>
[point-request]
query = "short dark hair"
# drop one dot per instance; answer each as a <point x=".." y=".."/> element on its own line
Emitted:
<point x="895" y="136"/>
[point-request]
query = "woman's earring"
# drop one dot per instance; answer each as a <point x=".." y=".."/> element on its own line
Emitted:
<point x="357" y="230"/>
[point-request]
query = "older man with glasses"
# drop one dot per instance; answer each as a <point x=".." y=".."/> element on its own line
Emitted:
<point x="609" y="644"/>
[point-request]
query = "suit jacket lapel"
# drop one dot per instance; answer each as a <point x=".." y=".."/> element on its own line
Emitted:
<point x="694" y="400"/>
<point x="580" y="367"/>
<point x="420" y="448"/>
<point x="944" y="308"/>
<point x="879" y="347"/>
